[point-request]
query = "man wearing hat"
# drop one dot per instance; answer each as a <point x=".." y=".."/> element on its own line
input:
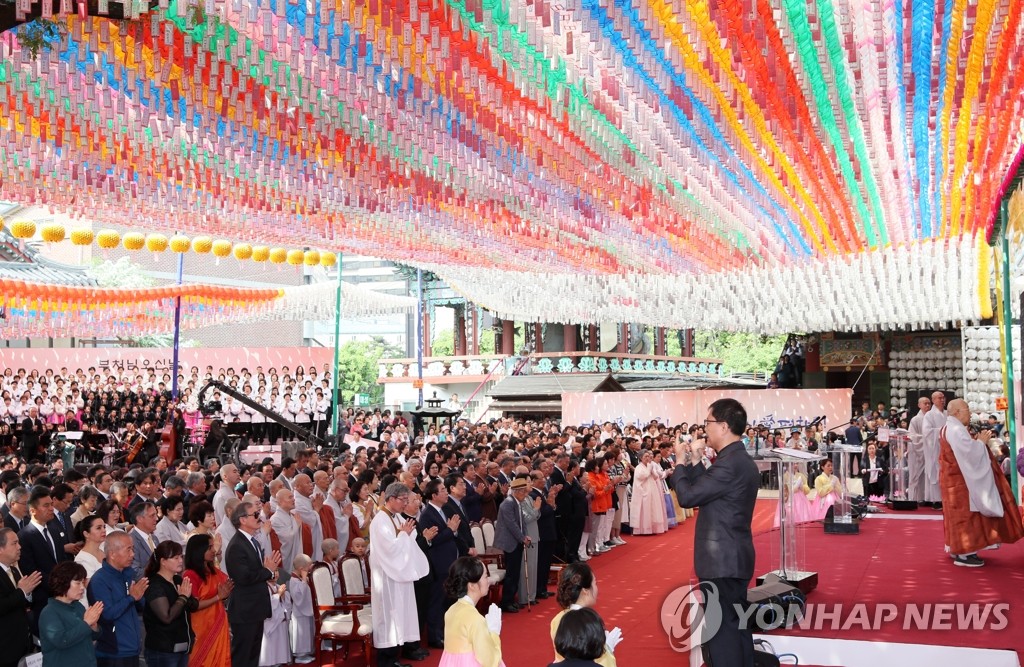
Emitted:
<point x="510" y="536"/>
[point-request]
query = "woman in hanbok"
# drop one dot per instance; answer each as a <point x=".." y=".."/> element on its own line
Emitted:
<point x="827" y="490"/>
<point x="577" y="589"/>
<point x="795" y="494"/>
<point x="647" y="510"/>
<point x="211" y="587"/>
<point x="276" y="649"/>
<point x="470" y="640"/>
<point x="531" y="513"/>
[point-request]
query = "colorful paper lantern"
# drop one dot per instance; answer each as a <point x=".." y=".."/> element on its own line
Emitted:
<point x="52" y="232"/>
<point x="328" y="259"/>
<point x="260" y="253"/>
<point x="180" y="244"/>
<point x="108" y="239"/>
<point x="278" y="255"/>
<point x="201" y="245"/>
<point x="23" y="229"/>
<point x="242" y="251"/>
<point x="82" y="236"/>
<point x="133" y="241"/>
<point x="156" y="243"/>
<point x="311" y="258"/>
<point x="221" y="248"/>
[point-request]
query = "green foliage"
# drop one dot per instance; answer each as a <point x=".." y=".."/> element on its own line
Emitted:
<point x="443" y="344"/>
<point x="41" y="34"/>
<point x="740" y="352"/>
<point x="357" y="367"/>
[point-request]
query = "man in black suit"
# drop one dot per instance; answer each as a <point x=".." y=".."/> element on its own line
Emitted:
<point x="442" y="551"/>
<point x="546" y="531"/>
<point x="31" y="430"/>
<point x="15" y="593"/>
<point x="251" y="570"/>
<point x="15" y="511"/>
<point x="41" y="548"/>
<point x="456" y="487"/>
<point x="63" y="495"/>
<point x="723" y="547"/>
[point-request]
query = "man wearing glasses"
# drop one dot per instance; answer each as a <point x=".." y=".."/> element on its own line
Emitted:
<point x="723" y="546"/>
<point x="250" y="568"/>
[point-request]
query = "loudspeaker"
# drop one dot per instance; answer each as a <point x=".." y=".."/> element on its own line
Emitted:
<point x="776" y="603"/>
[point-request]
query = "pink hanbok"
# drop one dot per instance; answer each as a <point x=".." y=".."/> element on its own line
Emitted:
<point x="647" y="510"/>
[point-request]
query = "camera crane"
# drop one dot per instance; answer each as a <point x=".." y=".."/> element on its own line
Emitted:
<point x="308" y="437"/>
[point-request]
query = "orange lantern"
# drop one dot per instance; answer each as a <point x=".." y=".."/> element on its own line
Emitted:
<point x="82" y="236"/>
<point x="180" y="244"/>
<point x="202" y="245"/>
<point x="133" y="241"/>
<point x="52" y="233"/>
<point x="108" y="239"/>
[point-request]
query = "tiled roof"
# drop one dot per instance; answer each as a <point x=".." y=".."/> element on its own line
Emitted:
<point x="25" y="263"/>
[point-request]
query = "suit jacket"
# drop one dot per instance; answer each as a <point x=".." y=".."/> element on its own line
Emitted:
<point x="725" y="493"/>
<point x="471" y="504"/>
<point x="250" y="599"/>
<point x="546" y="528"/>
<point x="464" y="536"/>
<point x="509" y="530"/>
<point x="14" y="632"/>
<point x="11" y="522"/>
<point x="36" y="556"/>
<point x="142" y="552"/>
<point x="444" y="548"/>
<point x="30" y="437"/>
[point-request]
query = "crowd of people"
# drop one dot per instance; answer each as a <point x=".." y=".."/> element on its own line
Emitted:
<point x="208" y="562"/>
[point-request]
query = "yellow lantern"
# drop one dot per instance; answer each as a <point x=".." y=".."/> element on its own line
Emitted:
<point x="52" y="233"/>
<point x="23" y="229"/>
<point x="328" y="259"/>
<point x="221" y="248"/>
<point x="82" y="236"/>
<point x="133" y="241"/>
<point x="108" y="239"/>
<point x="260" y="253"/>
<point x="180" y="244"/>
<point x="243" y="251"/>
<point x="278" y="255"/>
<point x="202" y="245"/>
<point x="311" y="257"/>
<point x="156" y="243"/>
<point x="295" y="257"/>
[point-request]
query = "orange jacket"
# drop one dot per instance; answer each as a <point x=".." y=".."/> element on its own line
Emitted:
<point x="602" y="487"/>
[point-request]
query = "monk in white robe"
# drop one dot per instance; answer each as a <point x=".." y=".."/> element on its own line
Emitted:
<point x="287" y="526"/>
<point x="915" y="452"/>
<point x="308" y="512"/>
<point x="934" y="421"/>
<point x="396" y="562"/>
<point x="978" y="507"/>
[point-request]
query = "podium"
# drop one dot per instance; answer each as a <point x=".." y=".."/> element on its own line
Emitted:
<point x="899" y="471"/>
<point x="791" y="569"/>
<point x="841" y="513"/>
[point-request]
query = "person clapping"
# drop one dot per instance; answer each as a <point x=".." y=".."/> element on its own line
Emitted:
<point x="470" y="640"/>
<point x="66" y="628"/>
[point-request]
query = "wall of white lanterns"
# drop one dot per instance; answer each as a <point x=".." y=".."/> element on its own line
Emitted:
<point x="929" y="369"/>
<point x="983" y="374"/>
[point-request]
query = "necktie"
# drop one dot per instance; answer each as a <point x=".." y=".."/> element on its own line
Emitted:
<point x="256" y="545"/>
<point x="10" y="574"/>
<point x="46" y="536"/>
<point x="149" y="541"/>
<point x="60" y="517"/>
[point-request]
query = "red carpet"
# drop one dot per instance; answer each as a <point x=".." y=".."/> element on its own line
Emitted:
<point x="891" y="561"/>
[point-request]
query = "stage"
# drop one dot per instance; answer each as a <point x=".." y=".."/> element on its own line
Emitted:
<point x="896" y="559"/>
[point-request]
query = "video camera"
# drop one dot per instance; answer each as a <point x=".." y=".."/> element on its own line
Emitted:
<point x="211" y="408"/>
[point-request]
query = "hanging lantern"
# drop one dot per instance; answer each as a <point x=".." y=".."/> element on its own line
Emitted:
<point x="133" y="241"/>
<point x="180" y="244"/>
<point x="52" y="233"/>
<point x="278" y="255"/>
<point x="221" y="248"/>
<point x="311" y="257"/>
<point x="108" y="239"/>
<point x="202" y="245"/>
<point x="328" y="259"/>
<point x="243" y="251"/>
<point x="156" y="243"/>
<point x="295" y="257"/>
<point x="260" y="253"/>
<point x="82" y="236"/>
<point x="23" y="229"/>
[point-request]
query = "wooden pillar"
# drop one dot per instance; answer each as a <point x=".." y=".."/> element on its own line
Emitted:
<point x="474" y="329"/>
<point x="426" y="333"/>
<point x="660" y="344"/>
<point x="460" y="331"/>
<point x="689" y="348"/>
<point x="592" y="345"/>
<point x="570" y="338"/>
<point x="623" y="346"/>
<point x="538" y="335"/>
<point x="508" y="337"/>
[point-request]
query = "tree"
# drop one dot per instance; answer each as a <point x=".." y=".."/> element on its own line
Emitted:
<point x="443" y="344"/>
<point x="741" y="352"/>
<point x="357" y="367"/>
